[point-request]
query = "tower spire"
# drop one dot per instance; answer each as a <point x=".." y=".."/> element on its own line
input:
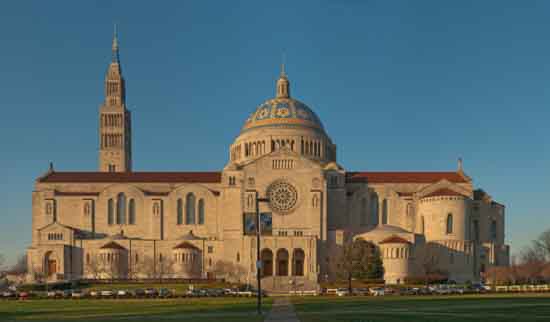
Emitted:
<point x="283" y="84"/>
<point x="283" y="74"/>
<point x="115" y="46"/>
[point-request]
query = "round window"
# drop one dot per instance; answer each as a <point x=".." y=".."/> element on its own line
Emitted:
<point x="283" y="196"/>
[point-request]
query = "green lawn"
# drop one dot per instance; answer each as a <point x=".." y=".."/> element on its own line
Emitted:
<point x="469" y="308"/>
<point x="203" y="309"/>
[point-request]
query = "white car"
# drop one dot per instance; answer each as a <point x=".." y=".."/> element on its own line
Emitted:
<point x="377" y="291"/>
<point x="122" y="293"/>
<point x="342" y="292"/>
<point x="107" y="293"/>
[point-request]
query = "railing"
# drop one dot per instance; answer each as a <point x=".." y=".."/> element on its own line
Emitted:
<point x="523" y="288"/>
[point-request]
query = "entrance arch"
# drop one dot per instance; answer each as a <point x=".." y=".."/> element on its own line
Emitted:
<point x="267" y="262"/>
<point x="50" y="264"/>
<point x="298" y="257"/>
<point x="282" y="262"/>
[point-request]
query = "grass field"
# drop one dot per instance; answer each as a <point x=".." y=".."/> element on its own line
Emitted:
<point x="190" y="310"/>
<point x="470" y="308"/>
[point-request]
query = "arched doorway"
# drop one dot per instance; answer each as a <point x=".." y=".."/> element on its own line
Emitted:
<point x="267" y="262"/>
<point x="282" y="262"/>
<point x="298" y="257"/>
<point x="50" y="264"/>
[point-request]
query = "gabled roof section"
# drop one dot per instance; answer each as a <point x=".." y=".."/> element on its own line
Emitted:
<point x="112" y="245"/>
<point x="405" y="177"/>
<point x="394" y="240"/>
<point x="125" y="177"/>
<point x="444" y="192"/>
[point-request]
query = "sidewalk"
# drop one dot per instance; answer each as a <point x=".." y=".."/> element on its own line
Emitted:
<point x="282" y="311"/>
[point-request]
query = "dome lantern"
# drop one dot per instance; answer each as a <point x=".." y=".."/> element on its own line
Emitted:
<point x="283" y="85"/>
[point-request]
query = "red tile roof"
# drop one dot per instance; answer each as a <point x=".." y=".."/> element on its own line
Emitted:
<point x="76" y="193"/>
<point x="185" y="245"/>
<point x="113" y="245"/>
<point x="395" y="240"/>
<point x="444" y="192"/>
<point x="109" y="177"/>
<point x="405" y="177"/>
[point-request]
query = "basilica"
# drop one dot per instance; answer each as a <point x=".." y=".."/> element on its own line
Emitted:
<point x="119" y="223"/>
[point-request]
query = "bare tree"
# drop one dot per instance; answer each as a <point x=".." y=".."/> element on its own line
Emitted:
<point x="20" y="267"/>
<point x="229" y="271"/>
<point x="146" y="267"/>
<point x="94" y="267"/>
<point x="430" y="261"/>
<point x="542" y="245"/>
<point x="165" y="268"/>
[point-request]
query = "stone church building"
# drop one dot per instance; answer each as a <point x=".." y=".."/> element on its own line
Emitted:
<point x="120" y="223"/>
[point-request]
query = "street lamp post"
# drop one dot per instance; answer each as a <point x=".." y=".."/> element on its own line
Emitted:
<point x="258" y="253"/>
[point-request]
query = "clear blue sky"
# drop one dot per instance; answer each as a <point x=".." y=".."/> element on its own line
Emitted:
<point x="399" y="85"/>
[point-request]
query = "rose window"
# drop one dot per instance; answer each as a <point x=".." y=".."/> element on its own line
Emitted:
<point x="282" y="196"/>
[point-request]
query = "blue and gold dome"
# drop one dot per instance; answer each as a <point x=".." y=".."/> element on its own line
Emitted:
<point x="283" y="110"/>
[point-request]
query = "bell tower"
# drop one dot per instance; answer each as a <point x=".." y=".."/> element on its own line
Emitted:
<point x="115" y="136"/>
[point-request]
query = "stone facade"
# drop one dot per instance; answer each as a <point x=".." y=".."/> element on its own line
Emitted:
<point x="117" y="223"/>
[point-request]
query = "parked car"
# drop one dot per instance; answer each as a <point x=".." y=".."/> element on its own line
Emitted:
<point x="151" y="292"/>
<point x="107" y="293"/>
<point x="409" y="291"/>
<point x="94" y="293"/>
<point x="342" y="292"/>
<point x="164" y="292"/>
<point x="456" y="289"/>
<point x="123" y="293"/>
<point x="361" y="291"/>
<point x="78" y="294"/>
<point x="377" y="291"/>
<point x="8" y="294"/>
<point x="139" y="292"/>
<point x="24" y="295"/>
<point x="442" y="290"/>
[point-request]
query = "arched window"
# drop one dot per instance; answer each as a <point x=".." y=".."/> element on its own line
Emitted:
<point x="88" y="259"/>
<point x="121" y="209"/>
<point x="190" y="209"/>
<point x="385" y="212"/>
<point x="132" y="212"/>
<point x="493" y="230"/>
<point x="449" y="223"/>
<point x="363" y="213"/>
<point x="110" y="211"/>
<point x="180" y="211"/>
<point x="201" y="212"/>
<point x="374" y="209"/>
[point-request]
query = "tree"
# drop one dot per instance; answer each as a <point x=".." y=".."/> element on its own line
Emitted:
<point x="2" y="261"/>
<point x="20" y="267"/>
<point x="375" y="268"/>
<point x="542" y="245"/>
<point x="165" y="268"/>
<point x="229" y="271"/>
<point x="94" y="268"/>
<point x="430" y="261"/>
<point x="354" y="260"/>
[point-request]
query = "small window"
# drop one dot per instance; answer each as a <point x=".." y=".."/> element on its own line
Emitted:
<point x="493" y="231"/>
<point x="449" y="223"/>
<point x="210" y="249"/>
<point x="238" y="257"/>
